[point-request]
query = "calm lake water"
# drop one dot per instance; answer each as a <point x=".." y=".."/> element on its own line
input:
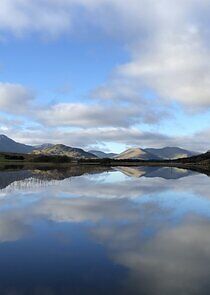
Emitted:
<point x="92" y="231"/>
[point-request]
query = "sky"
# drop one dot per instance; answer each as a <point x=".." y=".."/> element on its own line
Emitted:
<point x="106" y="74"/>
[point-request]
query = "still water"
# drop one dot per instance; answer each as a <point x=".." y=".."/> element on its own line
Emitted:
<point x="92" y="231"/>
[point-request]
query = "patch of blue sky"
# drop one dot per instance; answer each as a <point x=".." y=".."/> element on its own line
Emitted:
<point x="47" y="67"/>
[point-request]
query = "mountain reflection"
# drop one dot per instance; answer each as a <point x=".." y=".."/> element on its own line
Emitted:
<point x="163" y="172"/>
<point x="40" y="176"/>
<point x="134" y="236"/>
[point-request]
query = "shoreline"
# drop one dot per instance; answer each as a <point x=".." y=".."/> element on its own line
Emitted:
<point x="31" y="161"/>
<point x="19" y="165"/>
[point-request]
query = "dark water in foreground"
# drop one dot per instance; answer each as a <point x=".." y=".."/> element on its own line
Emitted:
<point x="89" y="231"/>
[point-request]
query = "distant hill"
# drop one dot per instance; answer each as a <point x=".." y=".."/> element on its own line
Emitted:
<point x="171" y="152"/>
<point x="7" y="145"/>
<point x="137" y="153"/>
<point x="63" y="150"/>
<point x="202" y="159"/>
<point x="102" y="155"/>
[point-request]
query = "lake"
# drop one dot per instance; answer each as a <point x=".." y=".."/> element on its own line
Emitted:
<point x="83" y="230"/>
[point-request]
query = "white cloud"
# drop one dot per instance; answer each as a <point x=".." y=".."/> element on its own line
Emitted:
<point x="14" y="98"/>
<point x="169" y="51"/>
<point x="175" y="67"/>
<point x="168" y="40"/>
<point x="83" y="115"/>
<point x="97" y="115"/>
<point x="26" y="16"/>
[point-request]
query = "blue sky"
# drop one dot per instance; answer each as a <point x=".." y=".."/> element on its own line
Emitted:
<point x="105" y="74"/>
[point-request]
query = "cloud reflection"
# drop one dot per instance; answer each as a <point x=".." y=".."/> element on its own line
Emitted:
<point x="154" y="227"/>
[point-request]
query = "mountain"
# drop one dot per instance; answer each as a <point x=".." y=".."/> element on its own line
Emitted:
<point x="63" y="150"/>
<point x="43" y="146"/>
<point x="102" y="155"/>
<point x="170" y="152"/>
<point x="8" y="145"/>
<point x="11" y="146"/>
<point x="137" y="153"/>
<point x="156" y="154"/>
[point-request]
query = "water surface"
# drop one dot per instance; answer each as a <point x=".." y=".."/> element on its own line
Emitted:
<point x="129" y="230"/>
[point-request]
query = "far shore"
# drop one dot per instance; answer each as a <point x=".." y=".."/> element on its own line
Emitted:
<point x="29" y="161"/>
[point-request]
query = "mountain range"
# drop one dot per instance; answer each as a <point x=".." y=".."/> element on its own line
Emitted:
<point x="8" y="145"/>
